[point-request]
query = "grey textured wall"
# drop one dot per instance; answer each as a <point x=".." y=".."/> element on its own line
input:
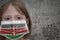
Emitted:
<point x="45" y="16"/>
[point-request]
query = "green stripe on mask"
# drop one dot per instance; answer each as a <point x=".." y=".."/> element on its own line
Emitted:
<point x="18" y="36"/>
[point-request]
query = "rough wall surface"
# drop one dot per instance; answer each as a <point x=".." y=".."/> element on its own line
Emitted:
<point x="45" y="16"/>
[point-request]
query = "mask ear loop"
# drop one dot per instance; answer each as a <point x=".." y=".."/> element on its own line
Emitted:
<point x="27" y="29"/>
<point x="27" y="21"/>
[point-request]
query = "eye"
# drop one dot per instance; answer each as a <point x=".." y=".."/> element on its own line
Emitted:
<point x="7" y="18"/>
<point x="18" y="18"/>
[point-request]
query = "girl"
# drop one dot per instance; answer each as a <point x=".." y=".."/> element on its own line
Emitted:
<point x="15" y="10"/>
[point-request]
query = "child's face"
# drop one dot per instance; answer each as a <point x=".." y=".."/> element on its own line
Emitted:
<point x="12" y="14"/>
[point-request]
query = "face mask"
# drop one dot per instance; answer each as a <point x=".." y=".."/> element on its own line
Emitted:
<point x="14" y="29"/>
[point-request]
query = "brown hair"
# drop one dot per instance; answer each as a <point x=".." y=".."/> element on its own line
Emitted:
<point x="20" y="6"/>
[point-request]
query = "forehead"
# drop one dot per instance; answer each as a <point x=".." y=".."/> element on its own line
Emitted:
<point x="11" y="10"/>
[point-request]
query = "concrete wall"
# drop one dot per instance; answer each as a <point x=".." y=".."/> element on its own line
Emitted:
<point x="44" y="14"/>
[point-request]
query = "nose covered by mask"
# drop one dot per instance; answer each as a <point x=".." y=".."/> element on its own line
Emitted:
<point x="14" y="29"/>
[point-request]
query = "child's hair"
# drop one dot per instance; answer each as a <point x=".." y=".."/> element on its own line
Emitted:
<point x="20" y="6"/>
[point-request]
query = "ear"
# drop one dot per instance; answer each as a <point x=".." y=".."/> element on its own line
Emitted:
<point x="27" y="20"/>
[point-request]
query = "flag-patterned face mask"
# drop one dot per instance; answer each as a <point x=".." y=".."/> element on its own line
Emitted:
<point x="14" y="30"/>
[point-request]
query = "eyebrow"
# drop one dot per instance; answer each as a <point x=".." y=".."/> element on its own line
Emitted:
<point x="19" y="15"/>
<point x="5" y="16"/>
